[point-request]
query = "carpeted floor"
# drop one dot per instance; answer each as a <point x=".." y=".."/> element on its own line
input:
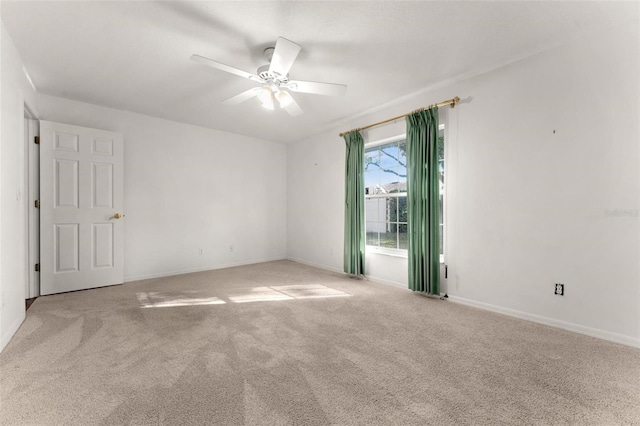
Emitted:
<point x="281" y="343"/>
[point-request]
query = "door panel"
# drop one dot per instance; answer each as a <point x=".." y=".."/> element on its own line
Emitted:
<point x="66" y="247"/>
<point x="81" y="190"/>
<point x="102" y="185"/>
<point x="65" y="183"/>
<point x="103" y="245"/>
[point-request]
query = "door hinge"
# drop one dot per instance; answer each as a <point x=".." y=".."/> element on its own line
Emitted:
<point x="36" y="139"/>
<point x="37" y="267"/>
<point x="37" y="204"/>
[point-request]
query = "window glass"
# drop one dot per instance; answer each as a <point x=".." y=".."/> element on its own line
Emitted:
<point x="385" y="175"/>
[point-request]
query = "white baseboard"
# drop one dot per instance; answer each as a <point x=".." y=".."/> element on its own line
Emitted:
<point x="192" y="270"/>
<point x="576" y="328"/>
<point x="339" y="271"/>
<point x="387" y="282"/>
<point x="8" y="334"/>
<point x="316" y="265"/>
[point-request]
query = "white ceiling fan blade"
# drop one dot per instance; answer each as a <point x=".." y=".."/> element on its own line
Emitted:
<point x="244" y="96"/>
<point x="284" y="55"/>
<point x="293" y="108"/>
<point x="214" y="64"/>
<point x="317" y="88"/>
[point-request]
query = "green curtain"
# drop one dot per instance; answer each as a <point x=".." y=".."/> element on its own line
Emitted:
<point x="354" y="204"/>
<point x="422" y="201"/>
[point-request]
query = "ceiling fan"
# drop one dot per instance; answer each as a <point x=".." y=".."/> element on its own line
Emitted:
<point x="273" y="79"/>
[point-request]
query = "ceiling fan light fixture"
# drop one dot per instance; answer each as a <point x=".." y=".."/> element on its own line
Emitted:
<point x="284" y="98"/>
<point x="265" y="96"/>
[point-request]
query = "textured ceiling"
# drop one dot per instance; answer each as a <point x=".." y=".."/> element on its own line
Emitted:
<point x="134" y="55"/>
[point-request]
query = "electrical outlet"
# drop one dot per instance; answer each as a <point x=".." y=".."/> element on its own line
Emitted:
<point x="559" y="289"/>
<point x="200" y="252"/>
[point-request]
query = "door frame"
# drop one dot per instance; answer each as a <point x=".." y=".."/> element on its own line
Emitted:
<point x="32" y="222"/>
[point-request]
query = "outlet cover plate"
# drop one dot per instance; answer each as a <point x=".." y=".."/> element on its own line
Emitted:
<point x="559" y="289"/>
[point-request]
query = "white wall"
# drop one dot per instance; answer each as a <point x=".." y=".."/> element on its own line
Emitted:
<point x="315" y="201"/>
<point x="187" y="188"/>
<point x="15" y="91"/>
<point x="537" y="153"/>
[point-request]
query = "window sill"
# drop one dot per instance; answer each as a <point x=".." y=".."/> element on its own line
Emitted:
<point x="392" y="252"/>
<point x="386" y="252"/>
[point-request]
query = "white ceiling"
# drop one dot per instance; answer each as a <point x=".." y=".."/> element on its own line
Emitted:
<point x="134" y="55"/>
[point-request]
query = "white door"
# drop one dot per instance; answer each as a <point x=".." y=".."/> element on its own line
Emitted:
<point x="81" y="202"/>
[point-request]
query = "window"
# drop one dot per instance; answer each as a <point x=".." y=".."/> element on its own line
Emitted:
<point x="385" y="177"/>
<point x="385" y="181"/>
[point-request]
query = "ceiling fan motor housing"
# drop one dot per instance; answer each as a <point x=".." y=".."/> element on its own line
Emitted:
<point x="264" y="73"/>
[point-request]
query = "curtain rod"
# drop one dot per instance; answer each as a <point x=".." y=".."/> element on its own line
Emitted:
<point x="451" y="102"/>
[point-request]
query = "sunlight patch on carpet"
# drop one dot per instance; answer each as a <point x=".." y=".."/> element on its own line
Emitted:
<point x="310" y="291"/>
<point x="244" y="295"/>
<point x="285" y="292"/>
<point x="159" y="300"/>
<point x="258" y="294"/>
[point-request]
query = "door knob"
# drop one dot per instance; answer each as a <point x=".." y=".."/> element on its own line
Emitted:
<point x="116" y="216"/>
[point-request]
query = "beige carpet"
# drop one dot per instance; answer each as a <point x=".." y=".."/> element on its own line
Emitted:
<point x="281" y="343"/>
